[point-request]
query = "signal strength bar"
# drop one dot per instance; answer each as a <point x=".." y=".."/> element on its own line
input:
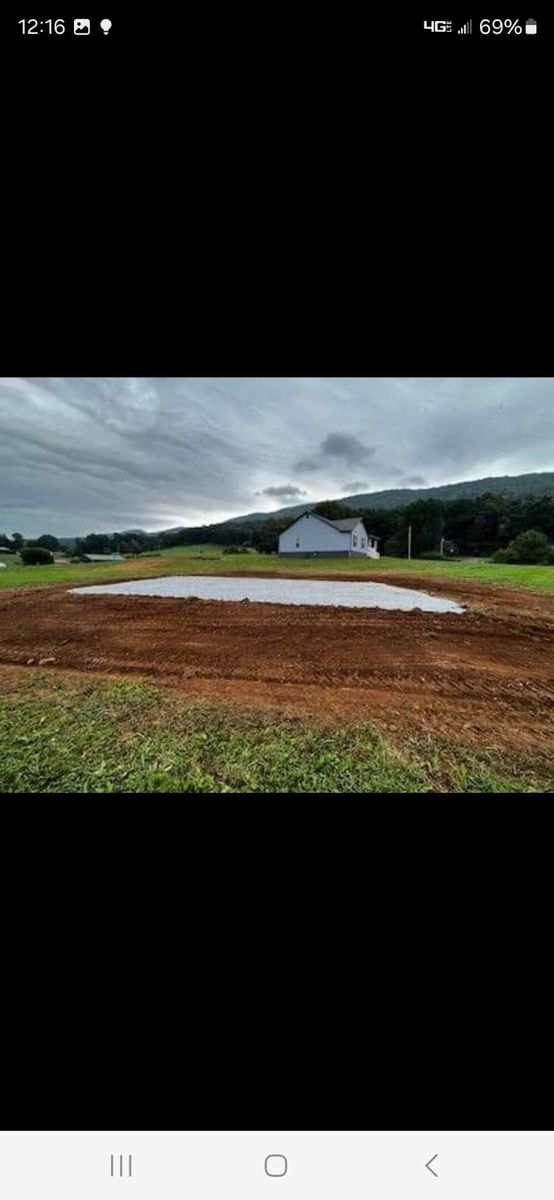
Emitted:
<point x="467" y="28"/>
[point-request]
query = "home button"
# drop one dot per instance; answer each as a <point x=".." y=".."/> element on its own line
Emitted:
<point x="276" y="1164"/>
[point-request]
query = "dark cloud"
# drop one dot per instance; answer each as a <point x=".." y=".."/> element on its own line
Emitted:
<point x="283" y="492"/>
<point x="307" y="464"/>
<point x="413" y="481"/>
<point x="78" y="454"/>
<point x="345" y="447"/>
<point x="357" y="485"/>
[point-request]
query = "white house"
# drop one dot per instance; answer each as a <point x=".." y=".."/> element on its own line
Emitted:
<point x="314" y="535"/>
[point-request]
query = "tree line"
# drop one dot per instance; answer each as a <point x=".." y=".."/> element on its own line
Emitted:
<point x="93" y="543"/>
<point x="479" y="525"/>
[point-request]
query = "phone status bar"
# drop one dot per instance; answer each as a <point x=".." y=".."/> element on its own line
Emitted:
<point x="486" y="26"/>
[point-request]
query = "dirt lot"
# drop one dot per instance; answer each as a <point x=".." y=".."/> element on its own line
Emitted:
<point x="485" y="677"/>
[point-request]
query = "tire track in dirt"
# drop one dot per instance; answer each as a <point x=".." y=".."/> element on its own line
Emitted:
<point x="485" y="676"/>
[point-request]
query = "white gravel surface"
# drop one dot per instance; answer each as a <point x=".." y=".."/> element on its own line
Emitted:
<point x="279" y="591"/>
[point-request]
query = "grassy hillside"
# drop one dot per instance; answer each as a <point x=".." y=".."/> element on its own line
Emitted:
<point x="210" y="560"/>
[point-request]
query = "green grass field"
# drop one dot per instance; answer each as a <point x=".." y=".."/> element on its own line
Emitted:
<point x="74" y="735"/>
<point x="210" y="560"/>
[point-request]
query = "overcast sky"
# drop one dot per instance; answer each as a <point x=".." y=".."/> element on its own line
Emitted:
<point x="94" y="454"/>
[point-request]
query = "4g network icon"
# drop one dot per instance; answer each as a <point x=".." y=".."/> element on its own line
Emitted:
<point x="438" y="26"/>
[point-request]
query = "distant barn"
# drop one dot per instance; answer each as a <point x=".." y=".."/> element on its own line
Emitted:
<point x="318" y="537"/>
<point x="102" y="558"/>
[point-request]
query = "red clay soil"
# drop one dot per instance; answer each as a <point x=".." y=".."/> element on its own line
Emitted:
<point x="485" y="677"/>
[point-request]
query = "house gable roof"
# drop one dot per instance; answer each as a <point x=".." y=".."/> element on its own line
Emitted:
<point x="343" y="526"/>
<point x="315" y="517"/>
<point x="347" y="525"/>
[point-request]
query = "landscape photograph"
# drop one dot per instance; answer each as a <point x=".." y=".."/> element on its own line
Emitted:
<point x="277" y="585"/>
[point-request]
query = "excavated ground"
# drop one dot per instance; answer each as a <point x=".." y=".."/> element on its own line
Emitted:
<point x="485" y="677"/>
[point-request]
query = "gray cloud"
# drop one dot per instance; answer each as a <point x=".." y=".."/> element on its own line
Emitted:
<point x="283" y="492"/>
<point x="357" y="485"/>
<point x="82" y="454"/>
<point x="307" y="464"/>
<point x="413" y="481"/>
<point x="343" y="446"/>
<point x="347" y="447"/>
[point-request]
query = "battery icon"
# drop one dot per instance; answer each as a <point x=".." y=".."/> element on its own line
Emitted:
<point x="530" y="26"/>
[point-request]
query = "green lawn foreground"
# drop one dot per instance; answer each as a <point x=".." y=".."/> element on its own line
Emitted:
<point x="210" y="560"/>
<point x="73" y="735"/>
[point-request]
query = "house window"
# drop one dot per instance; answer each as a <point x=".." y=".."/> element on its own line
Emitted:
<point x="298" y="543"/>
<point x="363" y="543"/>
<point x="354" y="540"/>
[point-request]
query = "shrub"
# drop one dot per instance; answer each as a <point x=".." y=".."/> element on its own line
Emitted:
<point x="528" y="547"/>
<point x="34" y="556"/>
<point x="531" y="546"/>
<point x="232" y="550"/>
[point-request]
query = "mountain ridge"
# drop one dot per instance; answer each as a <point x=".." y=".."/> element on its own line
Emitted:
<point x="531" y="483"/>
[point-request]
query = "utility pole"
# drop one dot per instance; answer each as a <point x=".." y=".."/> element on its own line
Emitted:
<point x="442" y="547"/>
<point x="409" y="541"/>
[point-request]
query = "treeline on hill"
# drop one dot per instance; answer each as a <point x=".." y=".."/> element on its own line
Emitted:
<point x="114" y="543"/>
<point x="478" y="525"/>
<point x="93" y="543"/>
<point x="139" y="542"/>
